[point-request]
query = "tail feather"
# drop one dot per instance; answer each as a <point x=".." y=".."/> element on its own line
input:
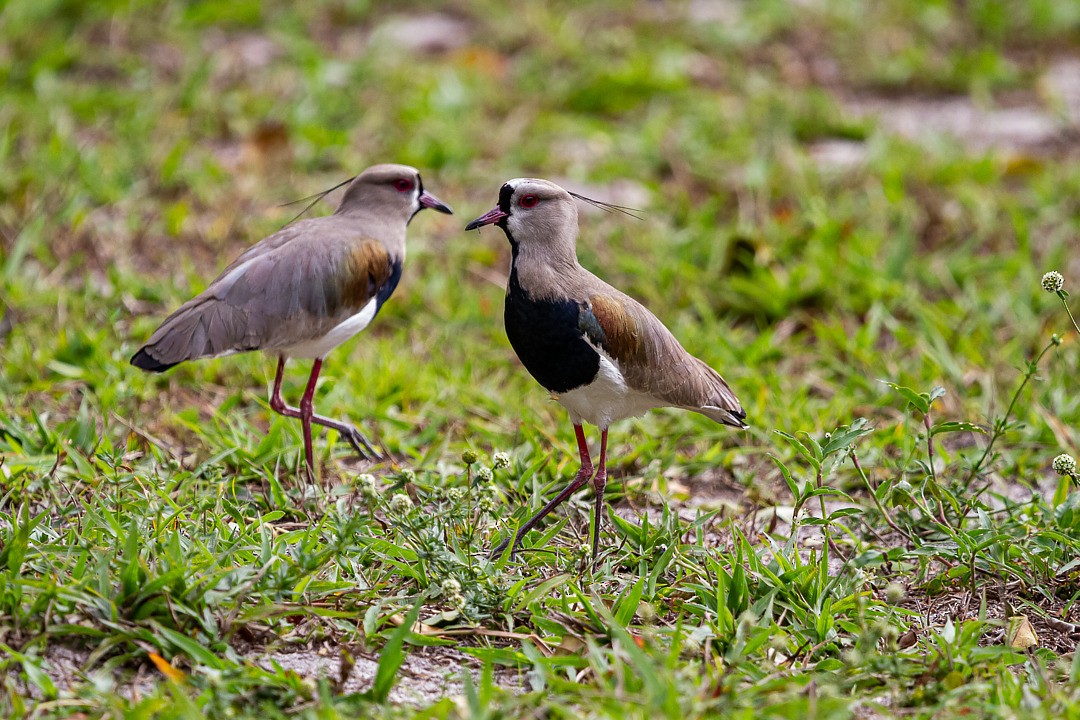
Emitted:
<point x="145" y="361"/>
<point x="733" y="417"/>
<point x="719" y="403"/>
<point x="205" y="329"/>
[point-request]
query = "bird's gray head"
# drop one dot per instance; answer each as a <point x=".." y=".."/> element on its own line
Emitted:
<point x="389" y="191"/>
<point x="534" y="213"/>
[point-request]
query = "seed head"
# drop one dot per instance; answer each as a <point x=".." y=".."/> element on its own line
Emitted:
<point x="1052" y="281"/>
<point x="451" y="591"/>
<point x="690" y="645"/>
<point x="400" y="504"/>
<point x="747" y="622"/>
<point x="778" y="642"/>
<point x="1065" y="465"/>
<point x="500" y="460"/>
<point x="887" y="632"/>
<point x="894" y="593"/>
<point x="365" y="483"/>
<point x="469" y="456"/>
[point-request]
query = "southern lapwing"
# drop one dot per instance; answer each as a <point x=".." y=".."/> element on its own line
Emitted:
<point x="303" y="291"/>
<point x="599" y="352"/>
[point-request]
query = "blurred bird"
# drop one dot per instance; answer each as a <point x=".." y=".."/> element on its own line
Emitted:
<point x="599" y="352"/>
<point x="303" y="291"/>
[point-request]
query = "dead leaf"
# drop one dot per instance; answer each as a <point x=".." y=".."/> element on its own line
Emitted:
<point x="907" y="639"/>
<point x="166" y="669"/>
<point x="420" y="628"/>
<point x="483" y="60"/>
<point x="571" y="645"/>
<point x="1020" y="164"/>
<point x="1020" y="634"/>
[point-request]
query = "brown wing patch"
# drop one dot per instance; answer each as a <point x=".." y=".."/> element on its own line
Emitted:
<point x="623" y="339"/>
<point x="367" y="269"/>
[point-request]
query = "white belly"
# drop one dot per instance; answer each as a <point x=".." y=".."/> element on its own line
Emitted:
<point x="606" y="399"/>
<point x="319" y="347"/>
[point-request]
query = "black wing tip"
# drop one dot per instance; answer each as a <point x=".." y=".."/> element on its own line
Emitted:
<point x="144" y="361"/>
<point x="735" y="419"/>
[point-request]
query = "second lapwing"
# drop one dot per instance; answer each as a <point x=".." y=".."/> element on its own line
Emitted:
<point x="599" y="352"/>
<point x="303" y="291"/>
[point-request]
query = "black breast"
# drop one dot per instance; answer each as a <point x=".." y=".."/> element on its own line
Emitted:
<point x="546" y="336"/>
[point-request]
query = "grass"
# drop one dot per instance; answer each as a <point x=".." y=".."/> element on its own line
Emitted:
<point x="859" y="552"/>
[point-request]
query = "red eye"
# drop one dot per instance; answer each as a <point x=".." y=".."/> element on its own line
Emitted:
<point x="403" y="185"/>
<point x="528" y="201"/>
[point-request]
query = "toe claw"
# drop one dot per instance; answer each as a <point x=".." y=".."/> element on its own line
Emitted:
<point x="361" y="445"/>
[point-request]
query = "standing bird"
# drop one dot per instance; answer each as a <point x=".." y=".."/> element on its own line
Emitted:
<point x="303" y="291"/>
<point x="599" y="352"/>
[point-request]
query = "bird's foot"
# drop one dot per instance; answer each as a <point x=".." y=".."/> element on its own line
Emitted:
<point x="361" y="444"/>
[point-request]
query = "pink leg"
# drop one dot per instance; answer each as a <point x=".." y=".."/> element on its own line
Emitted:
<point x="306" y="410"/>
<point x="306" y="413"/>
<point x="579" y="480"/>
<point x="599" y="483"/>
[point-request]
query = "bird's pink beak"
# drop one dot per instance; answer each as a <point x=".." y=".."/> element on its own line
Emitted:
<point x="428" y="200"/>
<point x="492" y="217"/>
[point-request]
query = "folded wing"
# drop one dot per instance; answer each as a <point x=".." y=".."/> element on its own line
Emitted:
<point x="652" y="361"/>
<point x="275" y="298"/>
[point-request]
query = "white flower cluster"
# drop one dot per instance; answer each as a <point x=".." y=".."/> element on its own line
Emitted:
<point x="451" y="591"/>
<point x="400" y="504"/>
<point x="365" y="483"/>
<point x="1065" y="465"/>
<point x="1052" y="281"/>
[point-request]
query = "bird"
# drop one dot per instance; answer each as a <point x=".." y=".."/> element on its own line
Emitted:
<point x="302" y="291"/>
<point x="601" y="354"/>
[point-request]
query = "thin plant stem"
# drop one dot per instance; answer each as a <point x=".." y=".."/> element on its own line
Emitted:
<point x="1003" y="421"/>
<point x="1061" y="295"/>
<point x="874" y="497"/>
<point x="933" y="473"/>
<point x="999" y="427"/>
<point x="825" y="519"/>
<point x="929" y="445"/>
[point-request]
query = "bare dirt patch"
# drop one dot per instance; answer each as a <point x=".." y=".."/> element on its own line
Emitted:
<point x="427" y="674"/>
<point x="1041" y="120"/>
